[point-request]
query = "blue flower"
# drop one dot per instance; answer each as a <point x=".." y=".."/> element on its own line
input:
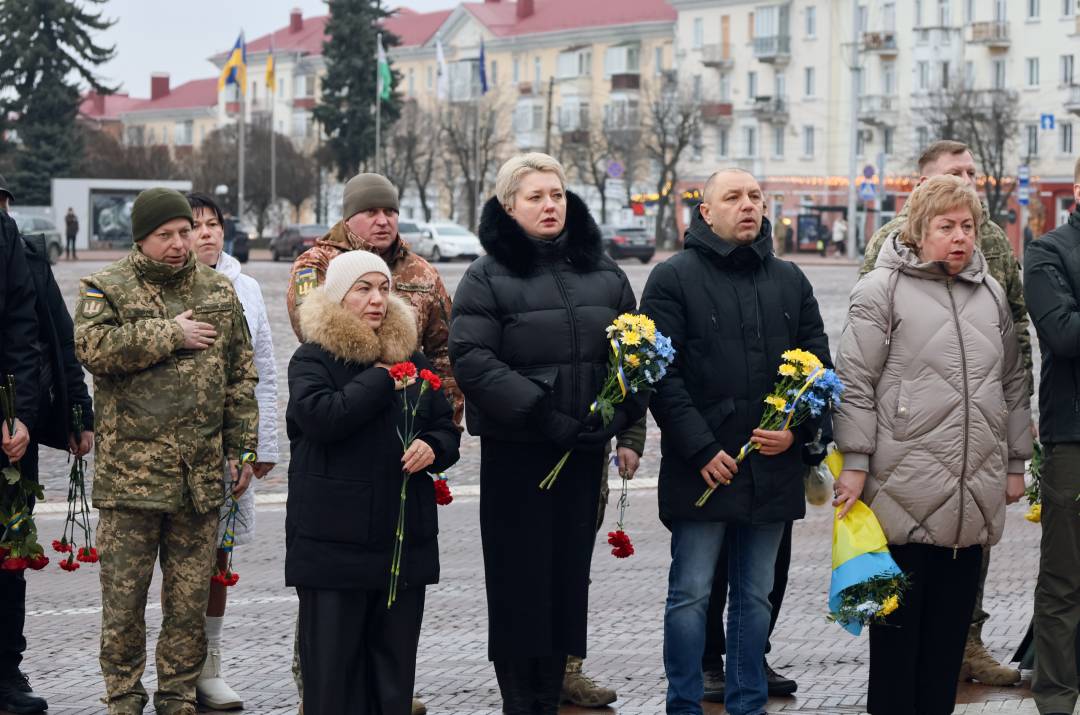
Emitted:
<point x="664" y="347"/>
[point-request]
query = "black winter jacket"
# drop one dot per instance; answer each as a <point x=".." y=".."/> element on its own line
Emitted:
<point x="730" y="312"/>
<point x="1052" y="291"/>
<point x="527" y="332"/>
<point x="19" y="354"/>
<point x="345" y="472"/>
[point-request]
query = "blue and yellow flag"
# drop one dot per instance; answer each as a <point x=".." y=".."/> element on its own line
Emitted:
<point x="859" y="553"/>
<point x="235" y="69"/>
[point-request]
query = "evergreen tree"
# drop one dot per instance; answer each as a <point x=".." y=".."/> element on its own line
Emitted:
<point x="347" y="107"/>
<point x="48" y="46"/>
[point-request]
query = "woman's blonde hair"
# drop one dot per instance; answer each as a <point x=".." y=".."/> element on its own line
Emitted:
<point x="514" y="170"/>
<point x="935" y="197"/>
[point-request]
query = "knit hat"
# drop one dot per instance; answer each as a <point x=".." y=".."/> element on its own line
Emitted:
<point x="5" y="190"/>
<point x="368" y="191"/>
<point x="155" y="207"/>
<point x="346" y="268"/>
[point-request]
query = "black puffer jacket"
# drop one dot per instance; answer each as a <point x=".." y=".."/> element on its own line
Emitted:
<point x="1052" y="290"/>
<point x="730" y="312"/>
<point x="19" y="355"/>
<point x="527" y="340"/>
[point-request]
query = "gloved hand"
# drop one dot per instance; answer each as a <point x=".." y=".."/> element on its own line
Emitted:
<point x="595" y="432"/>
<point x="560" y="428"/>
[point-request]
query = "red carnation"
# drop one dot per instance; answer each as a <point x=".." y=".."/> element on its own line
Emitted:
<point x="432" y="379"/>
<point x="61" y="546"/>
<point x="620" y="542"/>
<point x="69" y="564"/>
<point x="88" y="554"/>
<point x="226" y="578"/>
<point x="402" y="370"/>
<point x="16" y="563"/>
<point x="442" y="492"/>
<point x="39" y="561"/>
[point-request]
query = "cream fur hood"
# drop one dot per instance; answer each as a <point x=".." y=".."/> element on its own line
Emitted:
<point x="349" y="338"/>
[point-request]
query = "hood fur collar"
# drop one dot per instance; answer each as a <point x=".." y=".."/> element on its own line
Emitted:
<point x="505" y="241"/>
<point x="349" y="338"/>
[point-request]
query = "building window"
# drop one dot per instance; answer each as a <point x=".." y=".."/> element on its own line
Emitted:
<point x="1033" y="9"/>
<point x="944" y="75"/>
<point x="517" y="71"/>
<point x="575" y="64"/>
<point x="304" y="86"/>
<point x="918" y="13"/>
<point x="725" y="87"/>
<point x="1031" y="71"/>
<point x="888" y="78"/>
<point x="430" y="78"/>
<point x="889" y="14"/>
<point x="134" y="136"/>
<point x="969" y="75"/>
<point x="808" y="82"/>
<point x="622" y="59"/>
<point x="1031" y="139"/>
<point x="494" y="72"/>
<point x="536" y="74"/>
<point x="811" y="21"/>
<point x="697" y="146"/>
<point x="860" y="142"/>
<point x="778" y="141"/>
<point x="751" y="85"/>
<point x="969" y="11"/>
<point x="301" y="127"/>
<point x="183" y="133"/>
<point x="944" y="13"/>
<point x="887" y="139"/>
<point x="696" y="87"/>
<point x="281" y="87"/>
<point x="999" y="74"/>
<point x="750" y="141"/>
<point x="808" y="141"/>
<point x="922" y="70"/>
<point x="1067" y="73"/>
<point x="1065" y="138"/>
<point x="863" y="18"/>
<point x="1067" y="8"/>
<point x="1000" y="11"/>
<point x="699" y="33"/>
<point x="722" y="143"/>
<point x="922" y="138"/>
<point x="779" y="86"/>
<point x="658" y="60"/>
<point x="412" y="82"/>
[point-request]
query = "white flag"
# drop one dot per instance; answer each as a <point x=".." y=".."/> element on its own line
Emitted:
<point x="443" y="80"/>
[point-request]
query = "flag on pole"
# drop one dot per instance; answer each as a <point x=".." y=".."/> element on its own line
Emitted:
<point x="235" y="69"/>
<point x="270" y="74"/>
<point x="385" y="78"/>
<point x="442" y="84"/>
<point x="483" y="69"/>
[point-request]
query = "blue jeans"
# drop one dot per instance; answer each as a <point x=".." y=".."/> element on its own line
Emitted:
<point x="695" y="547"/>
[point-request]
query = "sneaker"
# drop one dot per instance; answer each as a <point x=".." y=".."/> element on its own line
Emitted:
<point x="211" y="690"/>
<point x="778" y="684"/>
<point x="418" y="707"/>
<point x="714" y="685"/>
<point x="979" y="665"/>
<point x="581" y="690"/>
<point x="17" y="697"/>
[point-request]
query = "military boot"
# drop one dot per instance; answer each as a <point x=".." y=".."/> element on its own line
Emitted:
<point x="418" y="707"/>
<point x="981" y="666"/>
<point x="16" y="695"/>
<point x="579" y="689"/>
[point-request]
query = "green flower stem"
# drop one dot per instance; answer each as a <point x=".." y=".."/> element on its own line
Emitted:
<point x="743" y="454"/>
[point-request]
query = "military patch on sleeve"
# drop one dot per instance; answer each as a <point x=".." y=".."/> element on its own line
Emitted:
<point x="306" y="281"/>
<point x="93" y="302"/>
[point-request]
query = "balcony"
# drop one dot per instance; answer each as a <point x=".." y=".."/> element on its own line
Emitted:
<point x="716" y="112"/>
<point x="526" y="89"/>
<point x="775" y="48"/>
<point x="625" y="82"/>
<point x="994" y="35"/>
<point x="881" y="43"/>
<point x="717" y="56"/>
<point x="878" y="109"/>
<point x="771" y="109"/>
<point x="576" y="137"/>
<point x="1072" y="100"/>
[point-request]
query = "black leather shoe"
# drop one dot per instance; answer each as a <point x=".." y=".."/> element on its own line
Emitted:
<point x="17" y="697"/>
<point x="778" y="684"/>
<point x="714" y="685"/>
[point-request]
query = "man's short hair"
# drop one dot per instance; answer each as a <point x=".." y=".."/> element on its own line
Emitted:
<point x="719" y="172"/>
<point x="939" y="149"/>
<point x="202" y="201"/>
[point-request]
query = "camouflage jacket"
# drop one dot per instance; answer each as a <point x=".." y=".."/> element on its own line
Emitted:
<point x="415" y="280"/>
<point x="1001" y="263"/>
<point x="165" y="415"/>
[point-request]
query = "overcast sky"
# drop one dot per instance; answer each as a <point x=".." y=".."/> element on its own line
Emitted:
<point x="177" y="37"/>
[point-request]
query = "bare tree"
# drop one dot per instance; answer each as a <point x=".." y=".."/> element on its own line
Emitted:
<point x="475" y="137"/>
<point x="624" y="145"/>
<point x="585" y="151"/>
<point x="672" y="123"/>
<point x="988" y="121"/>
<point x="104" y="157"/>
<point x="412" y="150"/>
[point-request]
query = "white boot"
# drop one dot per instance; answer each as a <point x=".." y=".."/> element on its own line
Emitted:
<point x="210" y="689"/>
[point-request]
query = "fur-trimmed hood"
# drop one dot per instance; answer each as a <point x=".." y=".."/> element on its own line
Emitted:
<point x="345" y="336"/>
<point x="505" y="241"/>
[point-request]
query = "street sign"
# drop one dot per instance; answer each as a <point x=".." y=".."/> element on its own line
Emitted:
<point x="867" y="191"/>
<point x="868" y="171"/>
<point x="1046" y="121"/>
<point x="614" y="170"/>
<point x="1023" y="174"/>
<point x="1023" y="195"/>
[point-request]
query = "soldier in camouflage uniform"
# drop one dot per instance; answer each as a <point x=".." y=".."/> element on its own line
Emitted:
<point x="950" y="157"/>
<point x="166" y="341"/>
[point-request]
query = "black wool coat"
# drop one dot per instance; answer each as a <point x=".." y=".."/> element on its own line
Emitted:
<point x="730" y="313"/>
<point x="529" y="351"/>
<point x="19" y="354"/>
<point x="345" y="473"/>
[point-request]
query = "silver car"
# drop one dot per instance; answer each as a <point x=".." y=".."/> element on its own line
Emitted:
<point x="31" y="225"/>
<point x="447" y="241"/>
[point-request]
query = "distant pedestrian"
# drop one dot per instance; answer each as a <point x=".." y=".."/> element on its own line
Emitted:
<point x="165" y="339"/>
<point x="71" y="228"/>
<point x="934" y="430"/>
<point x="839" y="235"/>
<point x="1052" y="288"/>
<point x="357" y="653"/>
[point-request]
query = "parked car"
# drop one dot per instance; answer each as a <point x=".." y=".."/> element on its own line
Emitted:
<point x="447" y="241"/>
<point x="628" y="242"/>
<point x="410" y="232"/>
<point x="29" y="225"/>
<point x="241" y="248"/>
<point x="295" y="239"/>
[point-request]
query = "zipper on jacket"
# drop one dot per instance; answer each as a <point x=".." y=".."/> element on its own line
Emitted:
<point x="574" y="389"/>
<point x="967" y="412"/>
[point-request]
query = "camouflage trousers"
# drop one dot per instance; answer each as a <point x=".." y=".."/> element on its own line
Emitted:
<point x="131" y="540"/>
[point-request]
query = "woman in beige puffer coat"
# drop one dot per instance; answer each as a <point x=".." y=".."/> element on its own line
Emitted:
<point x="934" y="428"/>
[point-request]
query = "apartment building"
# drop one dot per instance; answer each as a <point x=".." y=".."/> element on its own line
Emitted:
<point x="178" y="117"/>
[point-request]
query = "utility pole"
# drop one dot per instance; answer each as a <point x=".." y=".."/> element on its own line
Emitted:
<point x="547" y="128"/>
<point x="241" y="98"/>
<point x="853" y="137"/>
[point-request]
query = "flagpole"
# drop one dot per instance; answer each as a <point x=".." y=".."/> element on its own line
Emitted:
<point x="240" y="96"/>
<point x="378" y="108"/>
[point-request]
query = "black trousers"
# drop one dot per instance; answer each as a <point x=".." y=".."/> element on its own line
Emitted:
<point x="70" y="247"/>
<point x="915" y="656"/>
<point x="357" y="656"/>
<point x="13" y="584"/>
<point x="715" y="639"/>
<point x="530" y="686"/>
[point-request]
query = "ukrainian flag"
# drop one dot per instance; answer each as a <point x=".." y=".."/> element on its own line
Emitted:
<point x="235" y="69"/>
<point x="859" y="553"/>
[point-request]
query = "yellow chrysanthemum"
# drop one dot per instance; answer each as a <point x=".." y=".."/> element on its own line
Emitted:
<point x="624" y="322"/>
<point x="631" y="337"/>
<point x="775" y="402"/>
<point x="891" y="604"/>
<point x="788" y="370"/>
<point x="1034" y="513"/>
<point x="632" y="360"/>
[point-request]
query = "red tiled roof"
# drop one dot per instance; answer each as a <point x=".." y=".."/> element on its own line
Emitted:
<point x="415" y="28"/>
<point x="113" y="105"/>
<point x="308" y="41"/>
<point x="555" y="15"/>
<point x="189" y="95"/>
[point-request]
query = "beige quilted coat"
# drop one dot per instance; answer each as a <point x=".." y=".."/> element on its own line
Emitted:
<point x="936" y="407"/>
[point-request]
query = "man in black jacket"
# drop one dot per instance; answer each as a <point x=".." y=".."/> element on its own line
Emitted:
<point x="19" y="357"/>
<point x="731" y="308"/>
<point x="1052" y="290"/>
